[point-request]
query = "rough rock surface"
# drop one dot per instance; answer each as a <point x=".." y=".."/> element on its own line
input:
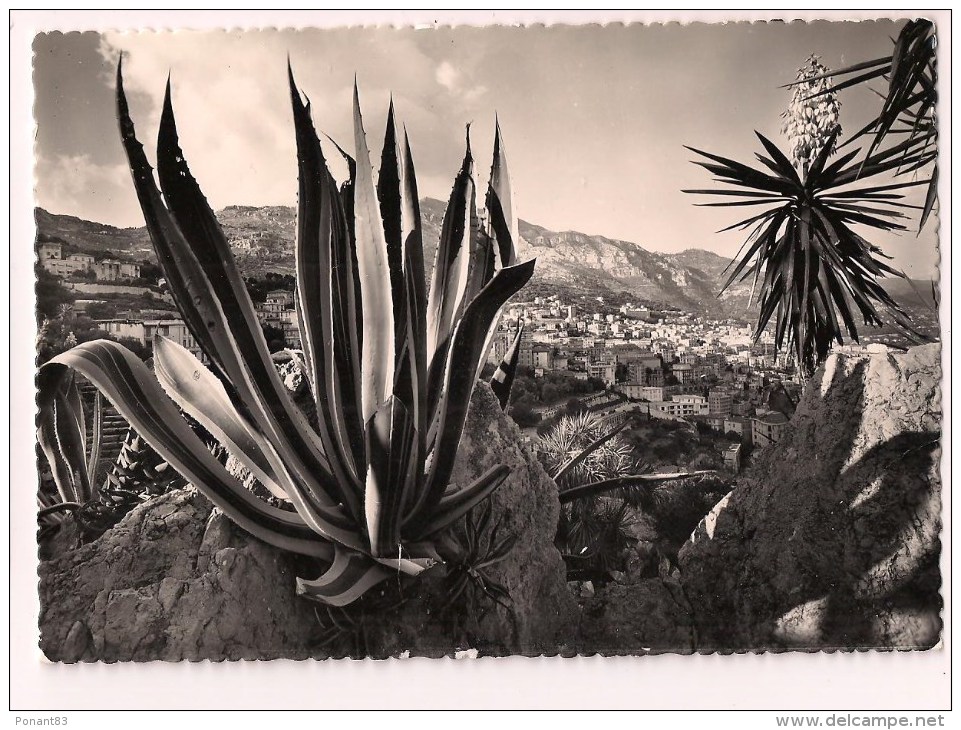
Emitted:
<point x="543" y="613"/>
<point x="176" y="580"/>
<point x="831" y="540"/>
<point x="647" y="616"/>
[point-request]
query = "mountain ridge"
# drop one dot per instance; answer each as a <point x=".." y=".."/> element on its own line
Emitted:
<point x="570" y="262"/>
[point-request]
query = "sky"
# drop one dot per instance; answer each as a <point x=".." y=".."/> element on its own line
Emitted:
<point x="595" y="118"/>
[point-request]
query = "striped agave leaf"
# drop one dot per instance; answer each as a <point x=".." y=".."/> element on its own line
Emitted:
<point x="391" y="369"/>
<point x="61" y="433"/>
<point x="503" y="378"/>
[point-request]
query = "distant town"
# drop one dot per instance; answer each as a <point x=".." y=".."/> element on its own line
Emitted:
<point x="607" y="358"/>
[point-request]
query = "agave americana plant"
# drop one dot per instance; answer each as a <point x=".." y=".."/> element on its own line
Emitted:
<point x="804" y="250"/>
<point x="391" y="366"/>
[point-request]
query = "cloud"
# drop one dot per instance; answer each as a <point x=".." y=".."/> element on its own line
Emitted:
<point x="447" y="76"/>
<point x="75" y="184"/>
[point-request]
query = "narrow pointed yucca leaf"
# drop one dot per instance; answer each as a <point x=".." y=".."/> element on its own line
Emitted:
<point x="458" y="502"/>
<point x="571" y="463"/>
<point x="929" y="199"/>
<point x="817" y="167"/>
<point x="466" y="350"/>
<point x="884" y="61"/>
<point x="96" y="437"/>
<point x="500" y="203"/>
<point x="134" y="392"/>
<point x="348" y="578"/>
<point x="202" y="397"/>
<point x="451" y="265"/>
<point x="873" y="74"/>
<point x="329" y="306"/>
<point x="782" y="165"/>
<point x="744" y="174"/>
<point x="503" y="378"/>
<point x="377" y="350"/>
<point x="607" y="485"/>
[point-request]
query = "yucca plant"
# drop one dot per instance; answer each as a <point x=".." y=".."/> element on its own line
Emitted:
<point x="909" y="101"/>
<point x="391" y="367"/>
<point x="812" y="267"/>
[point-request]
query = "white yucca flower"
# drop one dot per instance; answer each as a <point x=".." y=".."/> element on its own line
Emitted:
<point x="809" y="122"/>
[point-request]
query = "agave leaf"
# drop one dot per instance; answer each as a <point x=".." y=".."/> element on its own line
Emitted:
<point x="179" y="270"/>
<point x="69" y="440"/>
<point x="503" y="378"/>
<point x="500" y="203"/>
<point x="465" y="353"/>
<point x="390" y="446"/>
<point x="451" y="265"/>
<point x="416" y="346"/>
<point x="63" y="476"/>
<point x="96" y="436"/>
<point x="456" y="504"/>
<point x="130" y="387"/>
<point x="377" y="350"/>
<point x="348" y="578"/>
<point x="397" y="212"/>
<point x="202" y="397"/>
<point x="329" y="308"/>
<point x="204" y="290"/>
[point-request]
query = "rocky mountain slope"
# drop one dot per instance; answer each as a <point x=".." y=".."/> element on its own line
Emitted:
<point x="569" y="262"/>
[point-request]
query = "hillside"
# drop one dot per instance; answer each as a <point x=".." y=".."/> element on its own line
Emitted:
<point x="570" y="263"/>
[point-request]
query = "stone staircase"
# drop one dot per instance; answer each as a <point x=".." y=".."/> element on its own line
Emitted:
<point x="114" y="428"/>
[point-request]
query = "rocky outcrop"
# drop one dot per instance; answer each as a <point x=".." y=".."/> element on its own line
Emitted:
<point x="649" y="616"/>
<point x="174" y="580"/>
<point x="831" y="540"/>
<point x="177" y="580"/>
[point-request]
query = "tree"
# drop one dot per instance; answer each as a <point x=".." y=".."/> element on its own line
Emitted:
<point x="274" y="336"/>
<point x="150" y="272"/>
<point x="524" y="415"/>
<point x="51" y="294"/>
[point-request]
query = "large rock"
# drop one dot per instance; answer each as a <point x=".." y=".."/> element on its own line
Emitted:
<point x="176" y="580"/>
<point x="647" y="616"/>
<point x="831" y="540"/>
